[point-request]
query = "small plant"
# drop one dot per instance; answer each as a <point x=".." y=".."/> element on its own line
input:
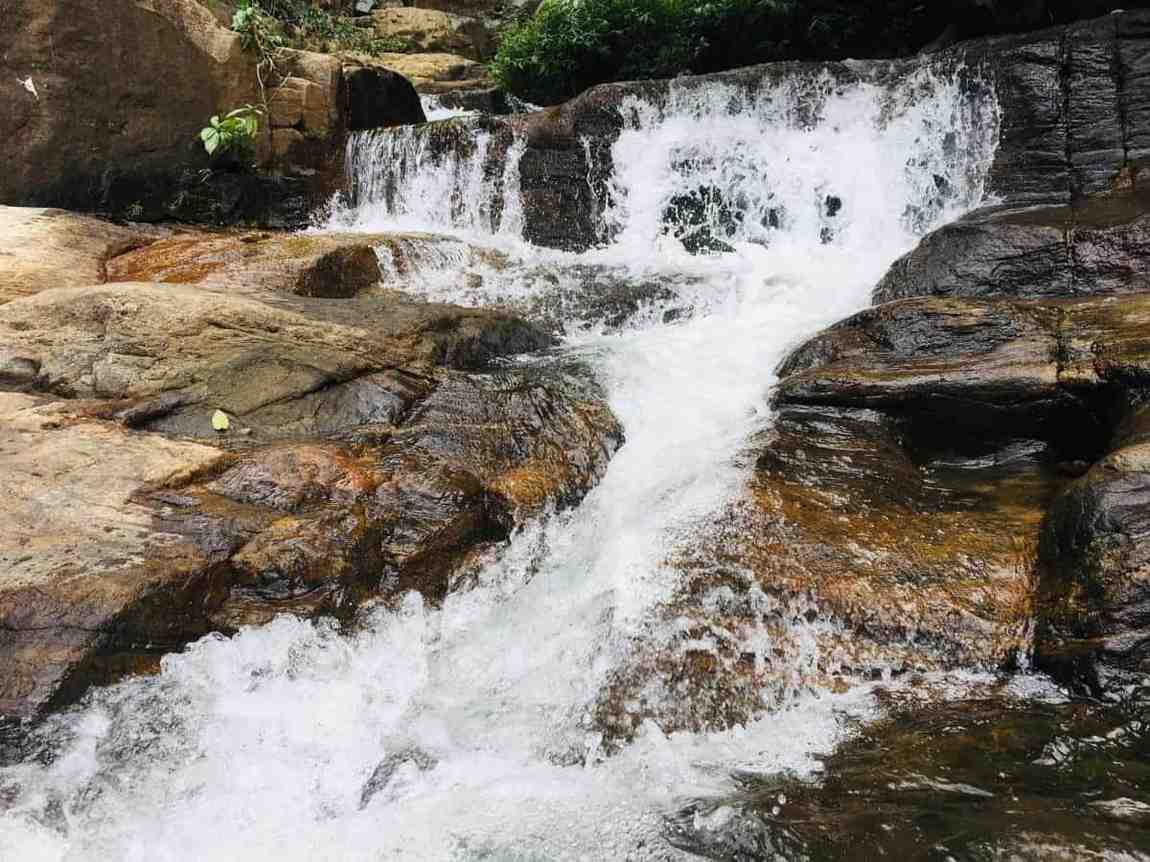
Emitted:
<point x="258" y="30"/>
<point x="265" y="26"/>
<point x="234" y="134"/>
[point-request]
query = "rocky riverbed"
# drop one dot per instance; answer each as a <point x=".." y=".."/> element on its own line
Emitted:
<point x="594" y="457"/>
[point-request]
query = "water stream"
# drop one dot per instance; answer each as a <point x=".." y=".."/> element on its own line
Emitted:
<point x="464" y="732"/>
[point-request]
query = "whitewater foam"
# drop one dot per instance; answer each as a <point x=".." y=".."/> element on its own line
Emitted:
<point x="260" y="746"/>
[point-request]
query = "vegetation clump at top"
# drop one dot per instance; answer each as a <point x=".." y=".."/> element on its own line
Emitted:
<point x="570" y="45"/>
<point x="300" y="24"/>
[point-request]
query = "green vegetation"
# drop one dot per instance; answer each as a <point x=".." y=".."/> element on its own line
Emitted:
<point x="233" y="135"/>
<point x="267" y="25"/>
<point x="569" y="45"/>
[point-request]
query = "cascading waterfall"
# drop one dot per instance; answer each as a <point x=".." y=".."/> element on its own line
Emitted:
<point x="474" y="718"/>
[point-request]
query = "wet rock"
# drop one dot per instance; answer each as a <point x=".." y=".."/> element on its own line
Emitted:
<point x="90" y="589"/>
<point x="855" y="552"/>
<point x="1098" y="245"/>
<point x="45" y="248"/>
<point x="370" y="448"/>
<point x="894" y="516"/>
<point x="965" y="779"/>
<point x="575" y="298"/>
<point x="382" y="775"/>
<point x="695" y="218"/>
<point x="1094" y="606"/>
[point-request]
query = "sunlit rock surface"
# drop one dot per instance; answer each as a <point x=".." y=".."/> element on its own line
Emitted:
<point x="46" y="248"/>
<point x="371" y="444"/>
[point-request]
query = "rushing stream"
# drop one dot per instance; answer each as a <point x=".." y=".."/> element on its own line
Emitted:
<point x="463" y="732"/>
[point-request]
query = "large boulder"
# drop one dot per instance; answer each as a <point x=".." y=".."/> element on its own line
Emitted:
<point x="894" y="520"/>
<point x="83" y="566"/>
<point x="1099" y="244"/>
<point x="261" y="427"/>
<point x="125" y="139"/>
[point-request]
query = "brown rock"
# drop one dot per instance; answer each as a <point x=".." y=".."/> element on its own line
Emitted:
<point x="431" y="72"/>
<point x="894" y="517"/>
<point x="46" y="248"/>
<point x="430" y="31"/>
<point x="89" y="588"/>
<point x="296" y="103"/>
<point x="326" y="265"/>
<point x="374" y="450"/>
<point x="126" y="140"/>
<point x="1094" y="603"/>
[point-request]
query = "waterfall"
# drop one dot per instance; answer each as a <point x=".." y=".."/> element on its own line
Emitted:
<point x="466" y="731"/>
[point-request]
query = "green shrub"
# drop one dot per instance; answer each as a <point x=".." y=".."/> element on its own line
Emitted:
<point x="266" y="25"/>
<point x="569" y="45"/>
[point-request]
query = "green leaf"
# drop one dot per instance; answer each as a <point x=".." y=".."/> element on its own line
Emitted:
<point x="220" y="421"/>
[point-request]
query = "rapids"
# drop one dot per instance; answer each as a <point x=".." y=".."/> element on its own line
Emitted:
<point x="464" y="732"/>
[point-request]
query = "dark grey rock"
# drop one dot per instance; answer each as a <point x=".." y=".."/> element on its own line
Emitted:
<point x="379" y="98"/>
<point x="1099" y="245"/>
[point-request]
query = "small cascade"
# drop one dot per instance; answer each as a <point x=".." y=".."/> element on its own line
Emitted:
<point x="440" y="176"/>
<point x="468" y="731"/>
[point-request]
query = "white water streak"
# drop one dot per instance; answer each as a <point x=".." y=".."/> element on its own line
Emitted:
<point x="258" y="747"/>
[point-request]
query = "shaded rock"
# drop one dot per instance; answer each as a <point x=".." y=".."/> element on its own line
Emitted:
<point x="380" y="98"/>
<point x="46" y="248"/>
<point x="424" y="31"/>
<point x="170" y="67"/>
<point x="988" y="775"/>
<point x="1094" y="606"/>
<point x="1098" y="245"/>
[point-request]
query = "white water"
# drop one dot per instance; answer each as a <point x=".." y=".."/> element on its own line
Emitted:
<point x="259" y="747"/>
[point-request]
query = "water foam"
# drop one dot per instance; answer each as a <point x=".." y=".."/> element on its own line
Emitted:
<point x="477" y="714"/>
